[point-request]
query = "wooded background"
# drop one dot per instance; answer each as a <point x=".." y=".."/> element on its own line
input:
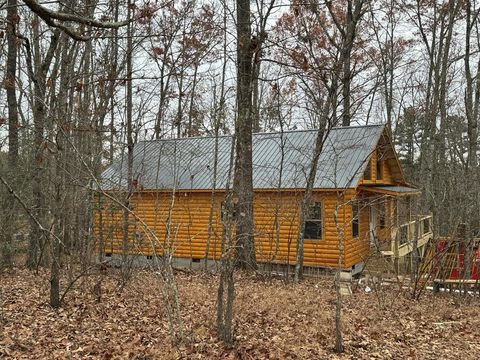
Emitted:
<point x="83" y="81"/>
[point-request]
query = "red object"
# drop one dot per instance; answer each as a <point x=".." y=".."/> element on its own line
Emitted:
<point x="457" y="269"/>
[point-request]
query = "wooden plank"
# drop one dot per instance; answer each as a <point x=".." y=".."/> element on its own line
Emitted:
<point x="456" y="281"/>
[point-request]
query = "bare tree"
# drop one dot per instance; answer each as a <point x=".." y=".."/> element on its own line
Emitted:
<point x="129" y="135"/>
<point x="322" y="133"/>
<point x="472" y="106"/>
<point x="384" y="22"/>
<point x="10" y="83"/>
<point x="354" y="11"/>
<point x="38" y="76"/>
<point x="243" y="179"/>
<point x="338" y="303"/>
<point x="60" y="20"/>
<point x="218" y="121"/>
<point x="226" y="287"/>
<point x="6" y="250"/>
<point x="258" y="41"/>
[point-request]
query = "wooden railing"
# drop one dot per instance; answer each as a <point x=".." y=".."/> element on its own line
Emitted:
<point x="403" y="235"/>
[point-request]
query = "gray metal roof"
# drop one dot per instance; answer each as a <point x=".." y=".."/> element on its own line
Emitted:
<point x="402" y="190"/>
<point x="187" y="163"/>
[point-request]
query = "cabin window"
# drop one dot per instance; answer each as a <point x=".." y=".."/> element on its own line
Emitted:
<point x="379" y="168"/>
<point x="367" y="175"/>
<point x="313" y="222"/>
<point x="355" y="219"/>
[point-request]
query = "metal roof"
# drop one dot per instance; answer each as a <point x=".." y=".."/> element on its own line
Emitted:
<point x="400" y="189"/>
<point x="392" y="189"/>
<point x="187" y="163"/>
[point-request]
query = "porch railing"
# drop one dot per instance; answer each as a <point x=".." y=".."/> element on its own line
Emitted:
<point x="403" y="235"/>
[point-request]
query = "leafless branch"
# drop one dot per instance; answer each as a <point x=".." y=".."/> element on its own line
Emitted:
<point x="56" y="19"/>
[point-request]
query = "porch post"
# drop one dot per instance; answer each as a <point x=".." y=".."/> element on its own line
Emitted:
<point x="409" y="236"/>
<point x="395" y="238"/>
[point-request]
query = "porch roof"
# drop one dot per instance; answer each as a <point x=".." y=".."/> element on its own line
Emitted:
<point x="394" y="190"/>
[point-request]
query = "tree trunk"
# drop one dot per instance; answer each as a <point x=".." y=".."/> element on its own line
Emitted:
<point x="338" y="304"/>
<point x="348" y="31"/>
<point x="6" y="250"/>
<point x="10" y="84"/>
<point x="55" y="274"/>
<point x="322" y="132"/>
<point x="243" y="181"/>
<point x="129" y="132"/>
<point x="179" y="117"/>
<point x="472" y="105"/>
<point x="218" y="120"/>
<point x="62" y="208"/>
<point x="226" y="287"/>
<point x="190" y="131"/>
<point x="113" y="75"/>
<point x="307" y="200"/>
<point x="38" y="75"/>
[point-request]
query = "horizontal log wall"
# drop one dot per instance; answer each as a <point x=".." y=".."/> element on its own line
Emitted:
<point x="188" y="232"/>
<point x="358" y="248"/>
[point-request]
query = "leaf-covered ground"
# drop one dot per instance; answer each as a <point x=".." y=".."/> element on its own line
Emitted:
<point x="273" y="320"/>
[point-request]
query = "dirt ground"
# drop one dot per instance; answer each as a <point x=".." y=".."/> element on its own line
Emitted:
<point x="273" y="320"/>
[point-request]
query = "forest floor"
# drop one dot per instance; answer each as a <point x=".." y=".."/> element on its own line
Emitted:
<point x="273" y="320"/>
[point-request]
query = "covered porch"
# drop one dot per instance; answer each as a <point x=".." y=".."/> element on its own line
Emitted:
<point x="395" y="230"/>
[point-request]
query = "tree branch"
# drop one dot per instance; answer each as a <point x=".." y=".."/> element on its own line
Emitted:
<point x="17" y="197"/>
<point x="55" y="19"/>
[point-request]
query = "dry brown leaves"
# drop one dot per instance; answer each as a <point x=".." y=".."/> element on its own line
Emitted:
<point x="273" y="320"/>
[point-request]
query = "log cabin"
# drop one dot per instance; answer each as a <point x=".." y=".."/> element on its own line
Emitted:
<point x="179" y="185"/>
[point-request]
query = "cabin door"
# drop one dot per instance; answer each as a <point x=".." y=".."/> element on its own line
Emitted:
<point x="373" y="226"/>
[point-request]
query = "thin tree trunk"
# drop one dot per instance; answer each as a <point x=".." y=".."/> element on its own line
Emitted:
<point x="10" y="83"/>
<point x="226" y="287"/>
<point x="179" y="117"/>
<point x="243" y="180"/>
<point x="256" y="127"/>
<point x="338" y="304"/>
<point x="279" y="184"/>
<point x="62" y="214"/>
<point x="218" y="120"/>
<point x="192" y="101"/>
<point x="113" y="75"/>
<point x="38" y="75"/>
<point x="348" y="31"/>
<point x="472" y="105"/>
<point x="6" y="246"/>
<point x="55" y="273"/>
<point x="322" y="133"/>
<point x="129" y="131"/>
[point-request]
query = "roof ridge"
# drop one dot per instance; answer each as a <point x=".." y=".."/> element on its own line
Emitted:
<point x="358" y="126"/>
<point x="261" y="133"/>
<point x="185" y="138"/>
